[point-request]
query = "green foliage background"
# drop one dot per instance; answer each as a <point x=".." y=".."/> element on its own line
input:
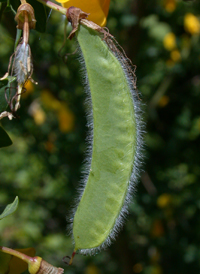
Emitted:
<point x="43" y="166"/>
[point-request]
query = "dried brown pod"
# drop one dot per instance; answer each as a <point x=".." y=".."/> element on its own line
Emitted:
<point x="74" y="15"/>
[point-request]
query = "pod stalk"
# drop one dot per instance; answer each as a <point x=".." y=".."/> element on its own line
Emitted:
<point x="36" y="265"/>
<point x="53" y="6"/>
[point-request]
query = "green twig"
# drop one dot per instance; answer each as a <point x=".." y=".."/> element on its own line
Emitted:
<point x="53" y="6"/>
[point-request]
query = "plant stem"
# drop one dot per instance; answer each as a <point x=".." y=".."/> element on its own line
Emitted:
<point x="18" y="37"/>
<point x="53" y="6"/>
<point x="16" y="253"/>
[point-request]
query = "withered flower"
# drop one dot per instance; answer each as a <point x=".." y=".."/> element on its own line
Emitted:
<point x="22" y="66"/>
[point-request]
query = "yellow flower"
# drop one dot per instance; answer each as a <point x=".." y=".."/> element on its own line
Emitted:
<point x="66" y="118"/>
<point x="98" y="9"/>
<point x="157" y="229"/>
<point x="39" y="116"/>
<point x="164" y="100"/>
<point x="170" y="63"/>
<point x="49" y="101"/>
<point x="137" y="268"/>
<point x="65" y="115"/>
<point x="37" y="113"/>
<point x="92" y="269"/>
<point x="191" y="23"/>
<point x="29" y="89"/>
<point x="156" y="269"/>
<point x="170" y="5"/>
<point x="169" y="41"/>
<point x="175" y="55"/>
<point x="164" y="200"/>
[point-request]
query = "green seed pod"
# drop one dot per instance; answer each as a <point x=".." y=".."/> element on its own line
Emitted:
<point x="116" y="136"/>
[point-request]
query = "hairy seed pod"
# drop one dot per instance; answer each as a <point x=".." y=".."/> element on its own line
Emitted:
<point x="23" y="63"/>
<point x="116" y="136"/>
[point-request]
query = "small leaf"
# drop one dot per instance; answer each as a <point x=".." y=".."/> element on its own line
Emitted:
<point x="3" y="102"/>
<point x="10" y="208"/>
<point x="5" y="83"/>
<point x="6" y="79"/>
<point x="5" y="140"/>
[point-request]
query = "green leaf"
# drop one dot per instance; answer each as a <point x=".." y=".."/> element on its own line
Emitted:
<point x="5" y="140"/>
<point x="2" y="9"/>
<point x="40" y="15"/>
<point x="3" y="103"/>
<point x="5" y="90"/>
<point x="4" y="262"/>
<point x="10" y="208"/>
<point x="5" y="80"/>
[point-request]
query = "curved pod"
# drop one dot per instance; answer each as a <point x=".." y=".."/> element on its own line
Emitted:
<point x="114" y="145"/>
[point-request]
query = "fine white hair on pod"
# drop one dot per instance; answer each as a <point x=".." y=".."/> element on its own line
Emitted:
<point x="22" y="63"/>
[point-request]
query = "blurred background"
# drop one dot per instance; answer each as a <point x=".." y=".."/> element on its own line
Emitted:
<point x="43" y="166"/>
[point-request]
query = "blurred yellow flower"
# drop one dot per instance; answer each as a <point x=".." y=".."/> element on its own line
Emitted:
<point x="170" y="5"/>
<point x="98" y="9"/>
<point x="175" y="55"/>
<point x="49" y="101"/>
<point x="156" y="269"/>
<point x="169" y="41"/>
<point x="164" y="100"/>
<point x="164" y="200"/>
<point x="92" y="269"/>
<point x="37" y="113"/>
<point x="170" y="63"/>
<point x="191" y="23"/>
<point x="137" y="268"/>
<point x="29" y="89"/>
<point x="49" y="146"/>
<point x="65" y="115"/>
<point x="155" y="255"/>
<point x="157" y="229"/>
<point x="66" y="118"/>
